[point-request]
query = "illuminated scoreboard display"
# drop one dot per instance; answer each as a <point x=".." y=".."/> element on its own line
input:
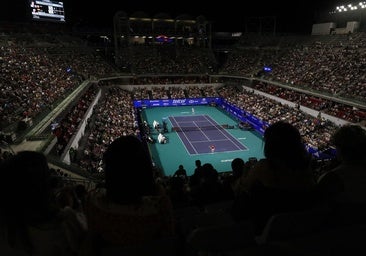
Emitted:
<point x="47" y="10"/>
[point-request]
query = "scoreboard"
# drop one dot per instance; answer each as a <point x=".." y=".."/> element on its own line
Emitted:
<point x="47" y="10"/>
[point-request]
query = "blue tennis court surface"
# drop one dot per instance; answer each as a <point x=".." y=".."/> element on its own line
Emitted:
<point x="200" y="134"/>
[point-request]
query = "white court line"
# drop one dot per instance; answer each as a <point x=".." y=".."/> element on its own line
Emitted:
<point x="225" y="134"/>
<point x="187" y="140"/>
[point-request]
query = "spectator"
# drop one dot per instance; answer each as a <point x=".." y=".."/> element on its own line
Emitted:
<point x="195" y="179"/>
<point x="31" y="221"/>
<point x="346" y="182"/>
<point x="280" y="182"/>
<point x="178" y="192"/>
<point x="131" y="208"/>
<point x="210" y="189"/>
<point x="238" y="168"/>
<point x="181" y="173"/>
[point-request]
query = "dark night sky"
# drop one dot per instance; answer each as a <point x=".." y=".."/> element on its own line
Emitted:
<point x="227" y="15"/>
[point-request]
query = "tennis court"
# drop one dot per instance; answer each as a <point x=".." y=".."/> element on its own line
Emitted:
<point x="234" y="142"/>
<point x="201" y="134"/>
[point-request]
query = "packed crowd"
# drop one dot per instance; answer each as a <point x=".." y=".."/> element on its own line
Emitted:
<point x="133" y="206"/>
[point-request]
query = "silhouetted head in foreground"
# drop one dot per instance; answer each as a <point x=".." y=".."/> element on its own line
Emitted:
<point x="284" y="146"/>
<point x="128" y="170"/>
<point x="350" y="143"/>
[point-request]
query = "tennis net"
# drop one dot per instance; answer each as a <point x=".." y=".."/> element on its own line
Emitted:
<point x="200" y="128"/>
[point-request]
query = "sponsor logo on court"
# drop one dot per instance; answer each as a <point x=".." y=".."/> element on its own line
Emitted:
<point x="179" y="101"/>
